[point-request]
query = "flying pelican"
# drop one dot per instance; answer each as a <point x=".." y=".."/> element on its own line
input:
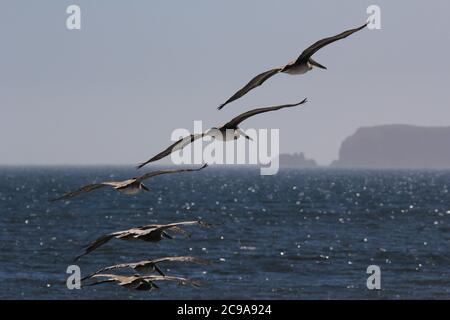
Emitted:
<point x="149" y="266"/>
<point x="219" y="133"/>
<point x="301" y="65"/>
<point x="129" y="187"/>
<point x="150" y="233"/>
<point x="137" y="282"/>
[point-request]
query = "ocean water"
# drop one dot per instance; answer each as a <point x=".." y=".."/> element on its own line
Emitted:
<point x="302" y="234"/>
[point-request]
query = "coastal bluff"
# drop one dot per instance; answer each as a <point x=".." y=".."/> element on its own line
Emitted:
<point x="396" y="146"/>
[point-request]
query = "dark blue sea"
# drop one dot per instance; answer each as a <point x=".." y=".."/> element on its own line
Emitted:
<point x="301" y="234"/>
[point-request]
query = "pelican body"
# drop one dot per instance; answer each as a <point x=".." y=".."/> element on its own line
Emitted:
<point x="131" y="187"/>
<point x="224" y="134"/>
<point x="295" y="69"/>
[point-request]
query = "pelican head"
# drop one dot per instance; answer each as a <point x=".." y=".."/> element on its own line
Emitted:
<point x="214" y="132"/>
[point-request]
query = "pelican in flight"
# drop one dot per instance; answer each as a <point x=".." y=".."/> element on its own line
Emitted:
<point x="301" y="65"/>
<point x="144" y="283"/>
<point x="150" y="266"/>
<point x="129" y="187"/>
<point x="220" y="133"/>
<point x="149" y="233"/>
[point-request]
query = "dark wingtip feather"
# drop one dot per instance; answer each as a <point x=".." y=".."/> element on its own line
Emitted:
<point x="140" y="166"/>
<point x="302" y="102"/>
<point x="78" y="257"/>
<point x="57" y="199"/>
<point x="155" y="158"/>
<point x="143" y="164"/>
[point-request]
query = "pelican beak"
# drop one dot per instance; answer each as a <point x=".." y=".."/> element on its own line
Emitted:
<point x="144" y="187"/>
<point x="159" y="271"/>
<point x="242" y="133"/>
<point x="166" y="235"/>
<point x="316" y="64"/>
<point x="155" y="286"/>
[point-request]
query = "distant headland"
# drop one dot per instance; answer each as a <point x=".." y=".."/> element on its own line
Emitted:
<point x="396" y="146"/>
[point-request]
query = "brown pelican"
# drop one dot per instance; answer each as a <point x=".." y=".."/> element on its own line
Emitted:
<point x="150" y="233"/>
<point x="219" y="132"/>
<point x="301" y="65"/>
<point x="137" y="282"/>
<point x="150" y="266"/>
<point x="131" y="186"/>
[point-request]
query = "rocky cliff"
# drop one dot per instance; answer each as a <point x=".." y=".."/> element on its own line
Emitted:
<point x="396" y="146"/>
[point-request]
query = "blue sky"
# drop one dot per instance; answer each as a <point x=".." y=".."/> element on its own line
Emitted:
<point x="114" y="91"/>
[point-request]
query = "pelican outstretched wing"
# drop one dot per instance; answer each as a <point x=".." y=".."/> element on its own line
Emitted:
<point x="179" y="280"/>
<point x="255" y="82"/>
<point x="85" y="189"/>
<point x="130" y="280"/>
<point x="184" y="223"/>
<point x="97" y="243"/>
<point x="116" y="266"/>
<point x="157" y="173"/>
<point x="233" y="124"/>
<point x="122" y="280"/>
<point x="180" y="144"/>
<point x="174" y="227"/>
<point x="182" y="259"/>
<point x="308" y="52"/>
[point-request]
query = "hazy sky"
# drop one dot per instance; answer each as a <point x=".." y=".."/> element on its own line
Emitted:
<point x="114" y="91"/>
